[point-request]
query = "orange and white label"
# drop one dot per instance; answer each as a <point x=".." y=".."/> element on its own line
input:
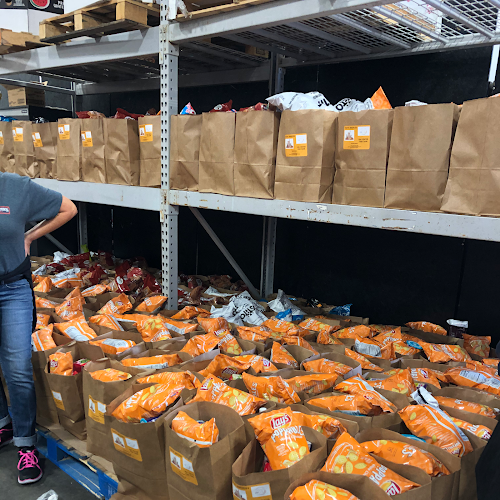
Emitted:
<point x="87" y="139"/>
<point x="255" y="492"/>
<point x="1" y="139"/>
<point x="64" y="133"/>
<point x="182" y="466"/>
<point x="357" y="137"/>
<point x="296" y="145"/>
<point x="127" y="446"/>
<point x="96" y="410"/>
<point x="146" y="133"/>
<point x="18" y="134"/>
<point x="37" y="140"/>
<point x="58" y="400"/>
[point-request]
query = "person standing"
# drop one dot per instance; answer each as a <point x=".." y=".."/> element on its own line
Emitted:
<point x="22" y="201"/>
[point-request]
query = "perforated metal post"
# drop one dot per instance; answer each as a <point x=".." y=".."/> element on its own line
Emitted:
<point x="169" y="55"/>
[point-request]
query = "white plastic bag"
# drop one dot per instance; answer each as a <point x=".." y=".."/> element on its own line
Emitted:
<point x="295" y="101"/>
<point x="281" y="303"/>
<point x="241" y="309"/>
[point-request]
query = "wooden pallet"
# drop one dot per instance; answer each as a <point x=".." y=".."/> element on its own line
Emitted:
<point x="204" y="8"/>
<point x="12" y="41"/>
<point x="99" y="19"/>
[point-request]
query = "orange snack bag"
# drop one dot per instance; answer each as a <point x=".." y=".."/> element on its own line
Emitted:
<point x="190" y="312"/>
<point x="132" y="318"/>
<point x="255" y="334"/>
<point x="225" y="367"/>
<point x="477" y="345"/>
<point x="472" y="378"/>
<point x="186" y="379"/>
<point x="148" y="403"/>
<point x="353" y="404"/>
<point x="213" y="324"/>
<point x="282" y="439"/>
<point x="43" y="286"/>
<point x="481" y="431"/>
<point x="488" y="361"/>
<point x="110" y="375"/>
<point x="425" y="326"/>
<point x="150" y="304"/>
<point x="163" y="335"/>
<point x="317" y="326"/>
<point x="326" y="338"/>
<point x="203" y="435"/>
<point x="422" y="376"/>
<point x="379" y="100"/>
<point x="271" y="389"/>
<point x="371" y="349"/>
<point x="435" y="426"/>
<point x="117" y="305"/>
<point x="76" y="329"/>
<point x="106" y="320"/>
<point x="358" y="385"/>
<point x="113" y="346"/>
<point x="215" y="390"/>
<point x="317" y="490"/>
<point x="281" y="355"/>
<point x="61" y="363"/>
<point x="153" y="362"/>
<point x="442" y="353"/>
<point x="227" y="342"/>
<point x="201" y="344"/>
<point x="401" y="382"/>
<point x="361" y="331"/>
<point x="42" y="340"/>
<point x="72" y="305"/>
<point x="42" y="321"/>
<point x="179" y="326"/>
<point x="349" y="457"/>
<point x="300" y="342"/>
<point x="403" y="349"/>
<point x="149" y="326"/>
<point x="94" y="291"/>
<point x="45" y="303"/>
<point x="480" y="367"/>
<point x="386" y="336"/>
<point x="365" y="364"/>
<point x="458" y="404"/>
<point x="313" y="384"/>
<point x="406" y="454"/>
<point x="323" y="365"/>
<point x="330" y="427"/>
<point x="282" y="326"/>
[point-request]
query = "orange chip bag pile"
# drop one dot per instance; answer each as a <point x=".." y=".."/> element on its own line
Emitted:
<point x="442" y="353"/>
<point x="361" y="331"/>
<point x="153" y="362"/>
<point x="76" y="329"/>
<point x="477" y="380"/>
<point x="365" y="364"/>
<point x="117" y="305"/>
<point x="481" y="431"/>
<point x="317" y="490"/>
<point x="186" y="379"/>
<point x="358" y="385"/>
<point x="225" y="367"/>
<point x="61" y="363"/>
<point x="190" y="312"/>
<point x="110" y="375"/>
<point x="201" y="344"/>
<point x="313" y="384"/>
<point x="280" y="355"/>
<point x="150" y="304"/>
<point x="349" y="457"/>
<point x="323" y="365"/>
<point x="271" y="389"/>
<point x="458" y="404"/>
<point x="203" y="434"/>
<point x="477" y="345"/>
<point x="425" y="326"/>
<point x="42" y="340"/>
<point x="106" y="320"/>
<point x="42" y="321"/>
<point x="400" y="382"/>
<point x="113" y="346"/>
<point x="351" y="404"/>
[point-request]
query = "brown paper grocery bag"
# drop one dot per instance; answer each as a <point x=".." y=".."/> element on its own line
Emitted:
<point x="93" y="160"/>
<point x="150" y="150"/>
<point x="216" y="173"/>
<point x="419" y="156"/>
<point x="255" y="144"/>
<point x="363" y="141"/>
<point x="24" y="151"/>
<point x="45" y="143"/>
<point x="472" y="186"/>
<point x="185" y="138"/>
<point x="306" y="153"/>
<point x="7" y="160"/>
<point x="69" y="147"/>
<point x="122" y="151"/>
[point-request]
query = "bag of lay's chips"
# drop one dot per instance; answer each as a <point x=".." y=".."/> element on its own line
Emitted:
<point x="282" y="326"/>
<point x="153" y="362"/>
<point x="110" y="375"/>
<point x="255" y="334"/>
<point x="61" y="363"/>
<point x="117" y="305"/>
<point x="94" y="291"/>
<point x="150" y="304"/>
<point x="160" y="336"/>
<point x="42" y="321"/>
<point x="45" y="303"/>
<point x="481" y="431"/>
<point x="148" y="403"/>
<point x="271" y="389"/>
<point x="442" y="353"/>
<point x="300" y="342"/>
<point x="327" y="339"/>
<point x="179" y="326"/>
<point x="280" y="355"/>
<point x="406" y="454"/>
<point x="323" y="365"/>
<point x="401" y="382"/>
<point x="224" y="367"/>
<point x="481" y="368"/>
<point x="403" y="349"/>
<point x="133" y="319"/>
<point x="113" y="346"/>
<point x="227" y="342"/>
<point x="488" y="361"/>
<point x="187" y="379"/>
<point x="330" y="427"/>
<point x="317" y="326"/>
<point x="350" y="404"/>
<point x="351" y="332"/>
<point x="72" y="305"/>
<point x="458" y="404"/>
<point x="149" y="326"/>
<point x="424" y="376"/>
<point x="427" y="327"/>
<point x="216" y="391"/>
<point x="477" y="345"/>
<point x="213" y="324"/>
<point x="43" y="286"/>
<point x="372" y="349"/>
<point x="317" y="490"/>
<point x="190" y="312"/>
<point x="76" y="329"/>
<point x="365" y="364"/>
<point x="471" y="378"/>
<point x="358" y="385"/>
<point x="203" y="434"/>
<point x="201" y="344"/>
<point x="41" y="340"/>
<point x="386" y="336"/>
<point x="349" y="457"/>
<point x="312" y="384"/>
<point x="281" y="438"/>
<point x="106" y="320"/>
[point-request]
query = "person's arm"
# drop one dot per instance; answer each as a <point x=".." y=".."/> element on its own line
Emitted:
<point x="67" y="211"/>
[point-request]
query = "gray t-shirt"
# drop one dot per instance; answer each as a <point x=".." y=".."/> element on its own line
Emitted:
<point x="21" y="201"/>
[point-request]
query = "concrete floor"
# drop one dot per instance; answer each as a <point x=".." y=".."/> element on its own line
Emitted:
<point x="53" y="479"/>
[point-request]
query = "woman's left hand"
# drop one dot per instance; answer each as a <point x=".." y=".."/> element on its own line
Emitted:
<point x="27" y="244"/>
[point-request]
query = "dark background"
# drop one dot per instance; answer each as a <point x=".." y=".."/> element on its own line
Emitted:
<point x="389" y="276"/>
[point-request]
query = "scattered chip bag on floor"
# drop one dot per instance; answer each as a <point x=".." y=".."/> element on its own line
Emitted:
<point x="349" y="457"/>
<point x="282" y="326"/>
<point x="312" y="384"/>
<point x="42" y="321"/>
<point x="472" y="378"/>
<point x="406" y="454"/>
<point x="358" y="385"/>
<point x="365" y="364"/>
<point x="318" y="326"/>
<point x="203" y="434"/>
<point x="106" y="320"/>
<point x="442" y="353"/>
<point x="326" y="338"/>
<point x="190" y="312"/>
<point x="113" y="346"/>
<point x="187" y="379"/>
<point x="477" y="345"/>
<point x="94" y="291"/>
<point x="225" y="367"/>
<point x="317" y="490"/>
<point x="350" y="404"/>
<point x="61" y="363"/>
<point x="351" y="332"/>
<point x="42" y="340"/>
<point x="400" y="382"/>
<point x="271" y="388"/>
<point x="425" y="326"/>
<point x="153" y="362"/>
<point x="481" y="431"/>
<point x="110" y="375"/>
<point x="201" y="344"/>
<point x="76" y="329"/>
<point x="280" y="355"/>
<point x="117" y="305"/>
<point x="43" y="286"/>
<point x="300" y="342"/>
<point x="458" y="404"/>
<point x="150" y="304"/>
<point x="213" y="324"/>
<point x="323" y="365"/>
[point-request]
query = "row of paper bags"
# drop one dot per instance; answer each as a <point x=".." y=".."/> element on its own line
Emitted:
<point x="379" y="158"/>
<point x="106" y="150"/>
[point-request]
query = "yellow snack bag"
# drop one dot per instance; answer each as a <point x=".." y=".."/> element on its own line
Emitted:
<point x="271" y="389"/>
<point x="458" y="404"/>
<point x="106" y="320"/>
<point x="358" y="385"/>
<point x="153" y="362"/>
<point x="427" y="327"/>
<point x="281" y="355"/>
<point x="365" y="364"/>
<point x="442" y="353"/>
<point x="351" y="404"/>
<point x="317" y="490"/>
<point x="224" y="367"/>
<point x="110" y="375"/>
<point x="117" y="305"/>
<point x="190" y="312"/>
<point x="186" y="379"/>
<point x="481" y="431"/>
<point x="313" y="384"/>
<point x="351" y="332"/>
<point x="76" y="329"/>
<point x="201" y="344"/>
<point x="61" y="363"/>
<point x="323" y="365"/>
<point x="113" y="346"/>
<point x="42" y="321"/>
<point x="42" y="339"/>
<point x="400" y="382"/>
<point x="203" y="434"/>
<point x="150" y="304"/>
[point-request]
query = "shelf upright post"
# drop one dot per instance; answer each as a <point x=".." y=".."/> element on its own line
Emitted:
<point x="169" y="55"/>
<point x="83" y="238"/>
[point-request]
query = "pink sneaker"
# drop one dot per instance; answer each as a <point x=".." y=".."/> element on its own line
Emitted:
<point x="28" y="467"/>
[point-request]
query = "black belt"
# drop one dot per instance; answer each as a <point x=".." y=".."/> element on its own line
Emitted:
<point x="13" y="279"/>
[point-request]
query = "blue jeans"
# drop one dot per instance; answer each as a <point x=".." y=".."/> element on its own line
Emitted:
<point x="16" y="322"/>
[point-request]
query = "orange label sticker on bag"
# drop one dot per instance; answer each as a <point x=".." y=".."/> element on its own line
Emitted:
<point x="87" y="139"/>
<point x="182" y="466"/>
<point x="357" y="137"/>
<point x="296" y="145"/>
<point x="255" y="492"/>
<point x="96" y="410"/>
<point x="18" y="134"/>
<point x="37" y="140"/>
<point x="127" y="446"/>
<point x="64" y="132"/>
<point x="146" y="133"/>
<point x="58" y="400"/>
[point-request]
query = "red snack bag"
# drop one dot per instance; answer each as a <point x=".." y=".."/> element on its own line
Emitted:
<point x="228" y="106"/>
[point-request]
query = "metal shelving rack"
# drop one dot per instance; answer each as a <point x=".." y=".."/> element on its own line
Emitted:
<point x="205" y="51"/>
